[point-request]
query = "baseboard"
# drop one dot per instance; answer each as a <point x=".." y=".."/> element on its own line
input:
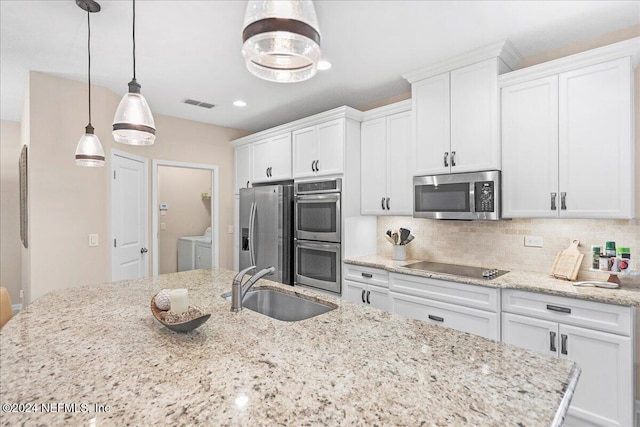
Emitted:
<point x="16" y="308"/>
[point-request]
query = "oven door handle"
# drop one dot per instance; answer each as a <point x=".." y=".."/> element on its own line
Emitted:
<point x="252" y="220"/>
<point x="334" y="247"/>
<point x="318" y="198"/>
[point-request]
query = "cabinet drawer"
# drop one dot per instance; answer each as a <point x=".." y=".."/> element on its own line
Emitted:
<point x="473" y="296"/>
<point x="374" y="276"/>
<point x="477" y="322"/>
<point x="588" y="314"/>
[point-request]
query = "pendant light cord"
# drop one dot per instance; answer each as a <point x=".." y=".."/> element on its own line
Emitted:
<point x="89" y="56"/>
<point x="134" y="39"/>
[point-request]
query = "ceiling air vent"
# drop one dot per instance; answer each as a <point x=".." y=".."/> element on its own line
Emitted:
<point x="199" y="103"/>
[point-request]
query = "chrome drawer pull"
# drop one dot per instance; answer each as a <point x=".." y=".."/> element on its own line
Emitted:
<point x="563" y="201"/>
<point x="362" y="296"/>
<point x="446" y="156"/>
<point x="552" y="338"/>
<point x="368" y="293"/>
<point x="367" y="275"/>
<point x="382" y="203"/>
<point x="563" y="343"/>
<point x="558" y="309"/>
<point x="436" y="318"/>
<point x="553" y="201"/>
<point x="388" y="203"/>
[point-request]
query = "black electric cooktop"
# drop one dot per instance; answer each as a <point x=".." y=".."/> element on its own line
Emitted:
<point x="457" y="270"/>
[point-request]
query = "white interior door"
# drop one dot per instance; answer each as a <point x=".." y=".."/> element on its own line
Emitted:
<point x="129" y="253"/>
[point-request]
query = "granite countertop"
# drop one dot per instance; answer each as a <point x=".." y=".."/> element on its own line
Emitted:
<point x="356" y="365"/>
<point x="628" y="294"/>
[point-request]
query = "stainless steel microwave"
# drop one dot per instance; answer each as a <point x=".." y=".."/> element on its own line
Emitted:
<point x="465" y="196"/>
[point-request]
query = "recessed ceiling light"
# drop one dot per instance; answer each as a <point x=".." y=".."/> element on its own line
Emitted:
<point x="239" y="103"/>
<point x="324" y="65"/>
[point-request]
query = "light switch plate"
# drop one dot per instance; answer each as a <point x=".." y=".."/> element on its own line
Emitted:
<point x="93" y="240"/>
<point x="533" y="241"/>
<point x="163" y="226"/>
<point x="230" y="229"/>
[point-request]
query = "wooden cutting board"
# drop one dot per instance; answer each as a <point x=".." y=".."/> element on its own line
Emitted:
<point x="568" y="262"/>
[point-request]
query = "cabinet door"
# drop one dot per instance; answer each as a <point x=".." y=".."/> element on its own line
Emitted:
<point x="431" y="124"/>
<point x="530" y="149"/>
<point x="400" y="164"/>
<point x="474" y="117"/>
<point x="604" y="395"/>
<point x="261" y="161"/>
<point x="354" y="291"/>
<point x="463" y="319"/>
<point x="595" y="141"/>
<point x="202" y="256"/>
<point x="378" y="297"/>
<point x="373" y="166"/>
<point x="243" y="167"/>
<point x="280" y="154"/>
<point x="330" y="147"/>
<point x="532" y="334"/>
<point x="304" y="152"/>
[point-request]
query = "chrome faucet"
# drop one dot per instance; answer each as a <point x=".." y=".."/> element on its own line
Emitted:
<point x="238" y="291"/>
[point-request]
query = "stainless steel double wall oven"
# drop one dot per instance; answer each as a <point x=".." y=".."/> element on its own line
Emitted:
<point x="317" y="243"/>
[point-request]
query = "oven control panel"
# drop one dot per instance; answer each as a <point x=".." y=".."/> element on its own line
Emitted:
<point x="484" y="196"/>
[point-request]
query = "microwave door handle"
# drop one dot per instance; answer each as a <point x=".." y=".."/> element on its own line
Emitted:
<point x="252" y="219"/>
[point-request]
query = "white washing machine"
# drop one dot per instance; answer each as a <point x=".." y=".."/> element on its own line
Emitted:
<point x="194" y="252"/>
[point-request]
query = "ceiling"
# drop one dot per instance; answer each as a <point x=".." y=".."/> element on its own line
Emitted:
<point x="191" y="49"/>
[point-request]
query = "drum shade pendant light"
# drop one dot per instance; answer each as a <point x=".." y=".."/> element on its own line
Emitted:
<point x="133" y="123"/>
<point x="89" y="151"/>
<point x="281" y="40"/>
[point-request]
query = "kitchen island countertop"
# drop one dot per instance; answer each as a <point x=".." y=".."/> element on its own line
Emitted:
<point x="628" y="294"/>
<point x="98" y="355"/>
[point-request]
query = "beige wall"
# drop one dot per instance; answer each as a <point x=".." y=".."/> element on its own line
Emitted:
<point x="188" y="214"/>
<point x="10" y="244"/>
<point x="70" y="202"/>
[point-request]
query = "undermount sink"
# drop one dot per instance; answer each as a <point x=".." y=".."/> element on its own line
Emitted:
<point x="281" y="305"/>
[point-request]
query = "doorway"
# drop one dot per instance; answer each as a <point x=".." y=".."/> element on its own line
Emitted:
<point x="185" y="219"/>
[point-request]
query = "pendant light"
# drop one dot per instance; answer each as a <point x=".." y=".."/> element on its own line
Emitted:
<point x="133" y="122"/>
<point x="89" y="151"/>
<point x="281" y="40"/>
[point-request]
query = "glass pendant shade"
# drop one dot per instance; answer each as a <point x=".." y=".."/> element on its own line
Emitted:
<point x="133" y="122"/>
<point x="281" y="40"/>
<point x="89" y="151"/>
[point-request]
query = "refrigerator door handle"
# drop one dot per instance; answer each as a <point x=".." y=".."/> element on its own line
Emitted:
<point x="252" y="219"/>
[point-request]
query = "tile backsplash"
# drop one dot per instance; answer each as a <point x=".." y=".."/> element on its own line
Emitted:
<point x="500" y="244"/>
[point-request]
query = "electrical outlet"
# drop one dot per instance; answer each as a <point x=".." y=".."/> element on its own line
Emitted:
<point x="21" y="294"/>
<point x="533" y="241"/>
<point x="163" y="226"/>
<point x="93" y="240"/>
<point x="230" y="229"/>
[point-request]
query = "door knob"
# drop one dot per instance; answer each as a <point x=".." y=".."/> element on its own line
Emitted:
<point x="144" y="250"/>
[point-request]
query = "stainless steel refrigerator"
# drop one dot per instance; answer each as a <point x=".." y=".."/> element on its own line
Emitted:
<point x="266" y="229"/>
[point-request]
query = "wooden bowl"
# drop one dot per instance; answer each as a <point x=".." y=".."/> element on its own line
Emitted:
<point x="178" y="327"/>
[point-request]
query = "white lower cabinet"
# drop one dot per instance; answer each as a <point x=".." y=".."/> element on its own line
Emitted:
<point x="367" y="286"/>
<point x="467" y="308"/>
<point x="568" y="329"/>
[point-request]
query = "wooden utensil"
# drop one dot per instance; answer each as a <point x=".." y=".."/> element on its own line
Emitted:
<point x="567" y="262"/>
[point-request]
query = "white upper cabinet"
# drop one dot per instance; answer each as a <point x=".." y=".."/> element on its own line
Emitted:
<point x="475" y="142"/>
<point x="243" y="167"/>
<point x="387" y="163"/>
<point x="319" y="150"/>
<point x="566" y="144"/>
<point x="271" y="159"/>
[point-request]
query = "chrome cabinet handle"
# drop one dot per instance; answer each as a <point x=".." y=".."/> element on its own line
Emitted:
<point x="563" y="344"/>
<point x="552" y="343"/>
<point x="436" y="318"/>
<point x="563" y="201"/>
<point x="368" y="293"/>
<point x="453" y="158"/>
<point x="558" y="309"/>
<point x="388" y="203"/>
<point x="382" y="203"/>
<point x="367" y="275"/>
<point x="317" y="168"/>
<point x="313" y="167"/>
<point x="554" y="196"/>
<point x="266" y="172"/>
<point x="247" y="184"/>
<point x="362" y="296"/>
<point x="446" y="157"/>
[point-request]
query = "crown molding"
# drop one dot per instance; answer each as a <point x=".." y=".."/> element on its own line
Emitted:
<point x="387" y="110"/>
